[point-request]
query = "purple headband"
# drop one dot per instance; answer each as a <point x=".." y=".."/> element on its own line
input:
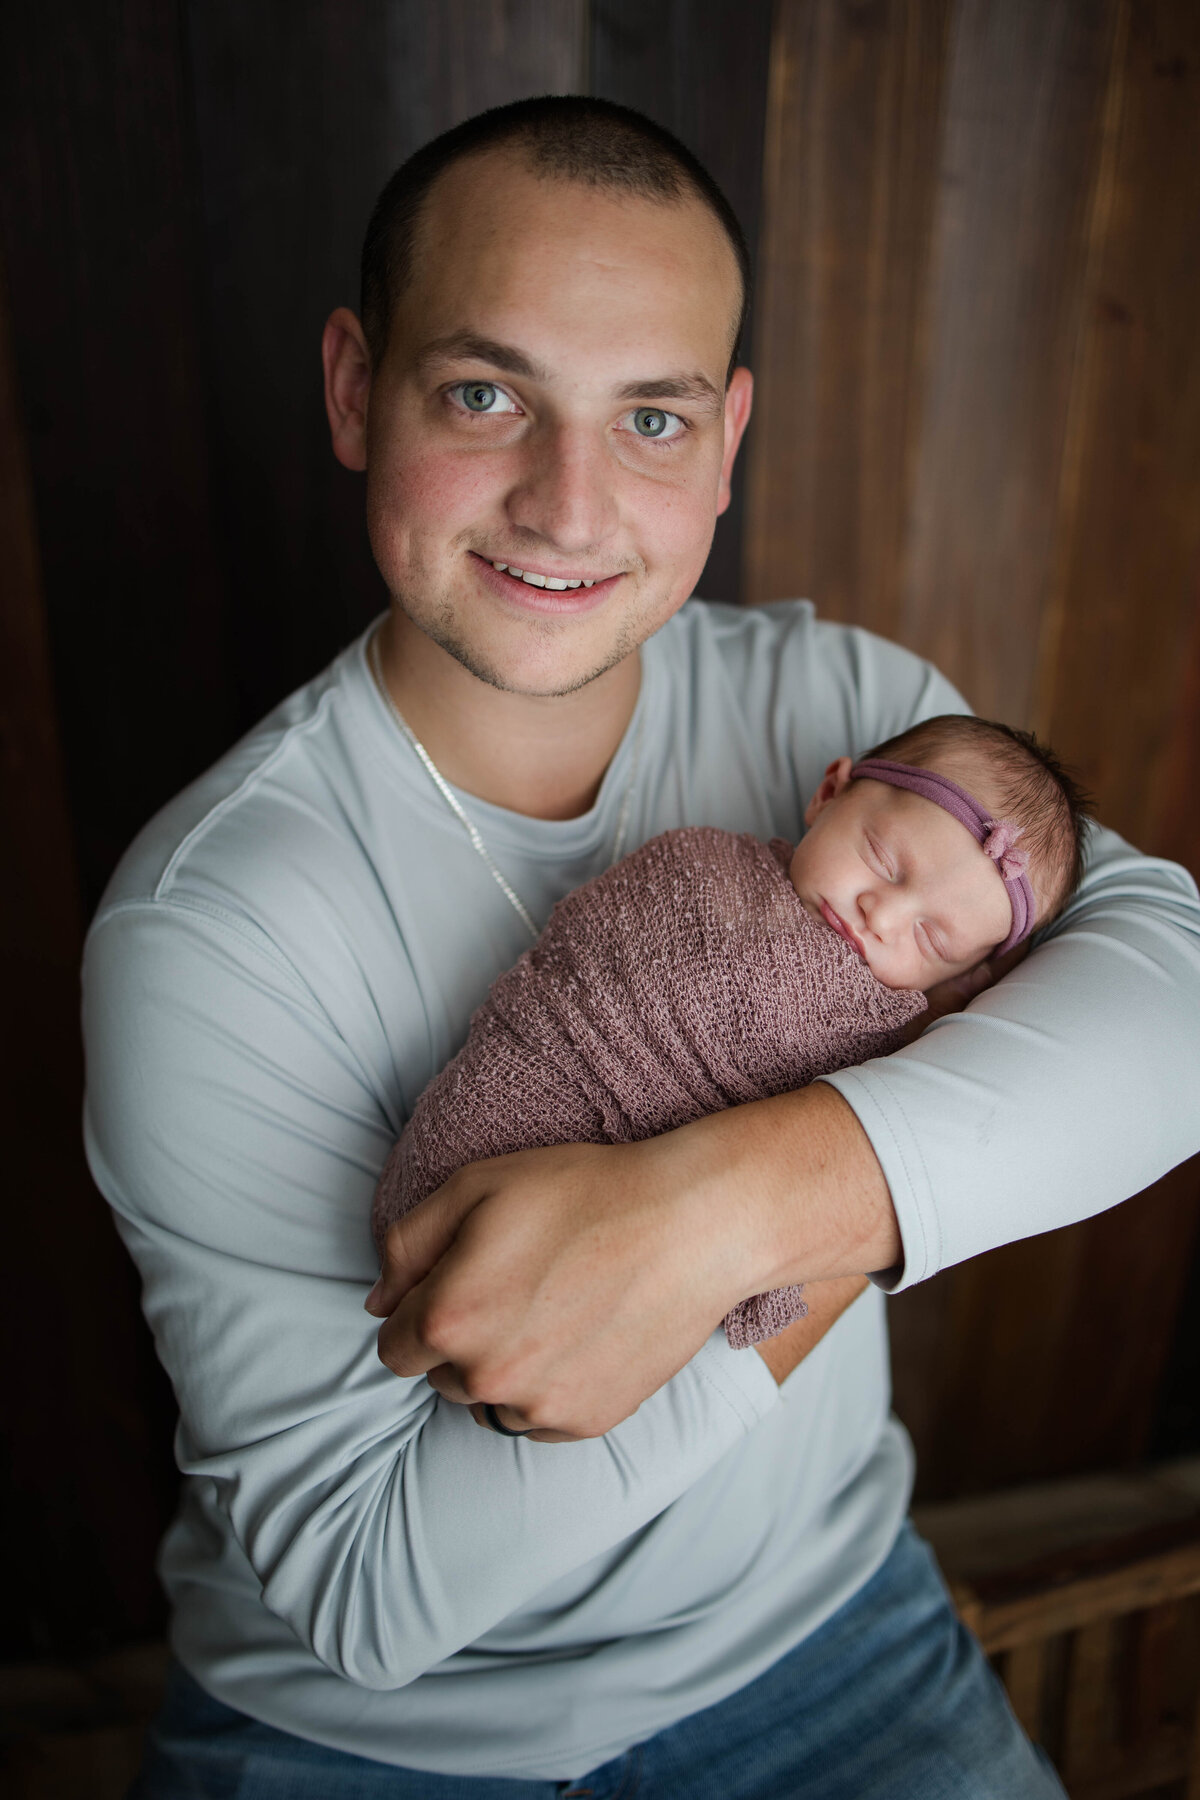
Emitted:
<point x="995" y="837"/>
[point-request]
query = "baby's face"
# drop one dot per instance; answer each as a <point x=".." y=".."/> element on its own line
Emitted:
<point x="900" y="880"/>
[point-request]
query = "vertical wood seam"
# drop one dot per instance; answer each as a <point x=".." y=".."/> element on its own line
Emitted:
<point x="1067" y="499"/>
<point x="765" y="282"/>
<point x="917" y="379"/>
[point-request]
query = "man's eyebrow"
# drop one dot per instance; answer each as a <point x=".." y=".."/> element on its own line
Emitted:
<point x="697" y="388"/>
<point x="465" y="346"/>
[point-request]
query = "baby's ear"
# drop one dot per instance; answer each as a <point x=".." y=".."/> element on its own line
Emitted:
<point x="834" y="782"/>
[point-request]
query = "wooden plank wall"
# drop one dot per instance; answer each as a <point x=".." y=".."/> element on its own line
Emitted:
<point x="979" y="432"/>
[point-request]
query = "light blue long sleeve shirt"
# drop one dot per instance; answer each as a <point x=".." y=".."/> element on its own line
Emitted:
<point x="285" y="957"/>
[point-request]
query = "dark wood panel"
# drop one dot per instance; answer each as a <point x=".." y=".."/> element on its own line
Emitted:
<point x="1046" y="1357"/>
<point x="1024" y="111"/>
<point x="699" y="67"/>
<point x="84" y="1486"/>
<point x="96" y="233"/>
<point x="1121" y="657"/>
<point x="853" y="141"/>
<point x="299" y="124"/>
<point x="978" y="433"/>
<point x="1122" y="652"/>
<point x="929" y="174"/>
<point x="189" y="190"/>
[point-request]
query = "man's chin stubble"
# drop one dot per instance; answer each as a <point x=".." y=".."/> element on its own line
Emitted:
<point x="442" y="633"/>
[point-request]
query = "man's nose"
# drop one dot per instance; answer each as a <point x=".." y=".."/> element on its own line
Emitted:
<point x="564" y="492"/>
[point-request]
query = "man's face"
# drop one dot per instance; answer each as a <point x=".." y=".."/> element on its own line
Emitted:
<point x="552" y="399"/>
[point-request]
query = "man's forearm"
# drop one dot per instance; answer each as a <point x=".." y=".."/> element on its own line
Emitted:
<point x="800" y="1171"/>
<point x="569" y="1283"/>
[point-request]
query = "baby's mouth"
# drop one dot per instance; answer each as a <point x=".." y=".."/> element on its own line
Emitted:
<point x="843" y="930"/>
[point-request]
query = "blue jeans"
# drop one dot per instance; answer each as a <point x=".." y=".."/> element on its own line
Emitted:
<point x="891" y="1699"/>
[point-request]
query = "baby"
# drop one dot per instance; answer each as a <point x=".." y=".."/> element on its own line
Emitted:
<point x="708" y="969"/>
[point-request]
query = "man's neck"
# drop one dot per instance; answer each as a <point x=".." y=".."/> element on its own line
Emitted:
<point x="544" y="757"/>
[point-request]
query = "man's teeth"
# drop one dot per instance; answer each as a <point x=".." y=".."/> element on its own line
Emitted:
<point x="542" y="581"/>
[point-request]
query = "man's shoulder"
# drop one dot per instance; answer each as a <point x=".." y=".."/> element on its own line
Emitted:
<point x="781" y="659"/>
<point x="775" y="628"/>
<point x="227" y="832"/>
<point x="716" y="625"/>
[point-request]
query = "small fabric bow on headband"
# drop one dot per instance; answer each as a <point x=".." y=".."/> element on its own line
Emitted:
<point x="1000" y="836"/>
<point x="995" y="837"/>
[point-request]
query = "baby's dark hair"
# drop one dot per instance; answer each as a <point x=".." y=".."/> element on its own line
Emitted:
<point x="1017" y="778"/>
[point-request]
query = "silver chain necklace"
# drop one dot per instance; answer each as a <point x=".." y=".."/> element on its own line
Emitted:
<point x="450" y="797"/>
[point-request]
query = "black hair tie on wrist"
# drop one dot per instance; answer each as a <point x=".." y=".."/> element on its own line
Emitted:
<point x="497" y="1424"/>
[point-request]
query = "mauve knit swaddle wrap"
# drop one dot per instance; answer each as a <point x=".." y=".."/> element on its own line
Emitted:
<point x="685" y="979"/>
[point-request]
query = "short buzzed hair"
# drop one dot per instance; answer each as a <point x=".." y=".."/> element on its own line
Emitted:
<point x="568" y="137"/>
<point x="1018" y="778"/>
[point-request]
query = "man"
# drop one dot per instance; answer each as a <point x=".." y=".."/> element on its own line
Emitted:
<point x="379" y="1587"/>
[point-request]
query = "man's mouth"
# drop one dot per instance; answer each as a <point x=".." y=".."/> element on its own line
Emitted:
<point x="843" y="930"/>
<point x="556" y="583"/>
<point x="547" y="591"/>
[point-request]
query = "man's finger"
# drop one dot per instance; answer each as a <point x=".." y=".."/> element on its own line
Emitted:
<point x="446" y="1381"/>
<point x="403" y="1348"/>
<point x="533" y="1437"/>
<point x="418" y="1241"/>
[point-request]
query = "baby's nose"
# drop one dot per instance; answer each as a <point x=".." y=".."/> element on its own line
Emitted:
<point x="883" y="909"/>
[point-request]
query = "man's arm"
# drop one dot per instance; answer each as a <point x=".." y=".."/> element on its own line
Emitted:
<point x="238" y="1137"/>
<point x="1068" y="1086"/>
<point x="567" y="1284"/>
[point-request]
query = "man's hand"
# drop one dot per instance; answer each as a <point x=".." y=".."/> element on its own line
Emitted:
<point x="567" y="1285"/>
<point x="563" y="1284"/>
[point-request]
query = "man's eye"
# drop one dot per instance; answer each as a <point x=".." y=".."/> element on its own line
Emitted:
<point x="650" y="422"/>
<point x="483" y="397"/>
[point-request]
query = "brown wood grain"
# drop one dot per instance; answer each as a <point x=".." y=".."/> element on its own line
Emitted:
<point x="929" y="174"/>
<point x="1024" y="106"/>
<point x="1106" y="1579"/>
<point x="1121" y="654"/>
<point x="1045" y="1357"/>
<point x="1192" y="1766"/>
<point x="1152" y="1652"/>
<point x="1147" y="1773"/>
<point x="977" y="431"/>
<point x="1024" y="1674"/>
<point x="853" y="140"/>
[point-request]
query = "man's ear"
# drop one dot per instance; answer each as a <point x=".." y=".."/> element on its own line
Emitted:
<point x="834" y="782"/>
<point x="739" y="397"/>
<point x="347" y="385"/>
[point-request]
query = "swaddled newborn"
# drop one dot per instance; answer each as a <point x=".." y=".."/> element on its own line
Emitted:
<point x="708" y="969"/>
